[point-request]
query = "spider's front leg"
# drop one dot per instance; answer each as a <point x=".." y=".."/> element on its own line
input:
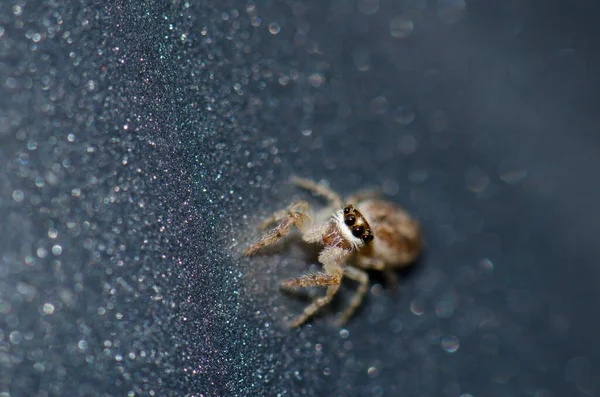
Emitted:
<point x="320" y="189"/>
<point x="332" y="259"/>
<point x="299" y="214"/>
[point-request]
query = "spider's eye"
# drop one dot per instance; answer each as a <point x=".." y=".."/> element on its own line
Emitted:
<point x="346" y="210"/>
<point x="349" y="220"/>
<point x="357" y="231"/>
<point x="367" y="237"/>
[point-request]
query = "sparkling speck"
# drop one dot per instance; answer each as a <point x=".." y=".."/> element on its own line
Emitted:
<point x="476" y="180"/>
<point x="450" y="343"/>
<point x="316" y="79"/>
<point x="274" y="28"/>
<point x="379" y="105"/>
<point x="417" y="307"/>
<point x="56" y="249"/>
<point x="511" y="173"/>
<point x="284" y="80"/>
<point x="15" y="337"/>
<point x="372" y="372"/>
<point x="42" y="252"/>
<point x="362" y="59"/>
<point x="48" y="308"/>
<point x="368" y="7"/>
<point x="401" y="27"/>
<point x="404" y="115"/>
<point x="11" y="83"/>
<point x="487" y="264"/>
<point x="18" y="196"/>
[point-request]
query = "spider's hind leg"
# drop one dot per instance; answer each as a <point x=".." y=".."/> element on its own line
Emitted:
<point x="363" y="286"/>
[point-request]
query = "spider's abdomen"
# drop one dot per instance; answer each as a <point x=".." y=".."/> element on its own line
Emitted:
<point x="397" y="239"/>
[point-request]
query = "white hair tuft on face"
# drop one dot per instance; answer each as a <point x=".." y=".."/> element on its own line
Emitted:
<point x="345" y="231"/>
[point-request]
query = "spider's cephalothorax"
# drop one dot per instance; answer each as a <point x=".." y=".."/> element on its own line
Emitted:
<point x="367" y="233"/>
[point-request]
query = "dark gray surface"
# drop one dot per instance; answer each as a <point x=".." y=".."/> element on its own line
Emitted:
<point x="141" y="144"/>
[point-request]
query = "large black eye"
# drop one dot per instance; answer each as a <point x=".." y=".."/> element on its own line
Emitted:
<point x="346" y="210"/>
<point x="367" y="237"/>
<point x="357" y="231"/>
<point x="349" y="220"/>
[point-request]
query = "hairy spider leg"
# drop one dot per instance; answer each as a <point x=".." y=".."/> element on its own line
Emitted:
<point x="331" y="258"/>
<point x="321" y="279"/>
<point x="298" y="214"/>
<point x="391" y="279"/>
<point x="364" y="195"/>
<point x="320" y="189"/>
<point x="363" y="279"/>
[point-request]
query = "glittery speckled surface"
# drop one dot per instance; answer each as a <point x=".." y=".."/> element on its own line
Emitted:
<point x="141" y="144"/>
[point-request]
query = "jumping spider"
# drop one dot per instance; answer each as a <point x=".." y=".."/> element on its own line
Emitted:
<point x="365" y="233"/>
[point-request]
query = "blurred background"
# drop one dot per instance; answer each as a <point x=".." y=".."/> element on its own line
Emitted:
<point x="142" y="142"/>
